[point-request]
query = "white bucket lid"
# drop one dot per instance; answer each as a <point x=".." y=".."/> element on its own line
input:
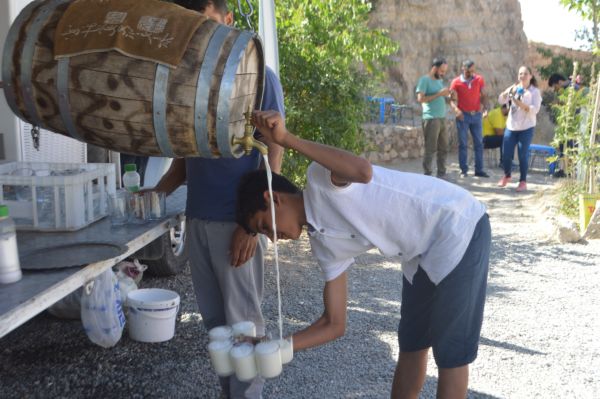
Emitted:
<point x="152" y="298"/>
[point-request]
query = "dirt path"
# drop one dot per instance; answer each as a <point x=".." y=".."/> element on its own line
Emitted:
<point x="540" y="335"/>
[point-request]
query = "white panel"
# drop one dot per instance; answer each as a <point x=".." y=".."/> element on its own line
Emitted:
<point x="9" y="123"/>
<point x="18" y="145"/>
<point x="53" y="147"/>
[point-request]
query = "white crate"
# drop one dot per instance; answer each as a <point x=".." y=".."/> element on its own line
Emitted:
<point x="59" y="196"/>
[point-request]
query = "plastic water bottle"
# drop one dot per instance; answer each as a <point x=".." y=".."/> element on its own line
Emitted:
<point x="131" y="178"/>
<point x="10" y="269"/>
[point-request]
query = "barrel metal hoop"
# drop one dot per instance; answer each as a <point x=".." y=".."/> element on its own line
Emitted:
<point x="8" y="53"/>
<point x="62" y="86"/>
<point x="28" y="51"/>
<point x="205" y="75"/>
<point x="263" y="71"/>
<point x="227" y="83"/>
<point x="159" y="110"/>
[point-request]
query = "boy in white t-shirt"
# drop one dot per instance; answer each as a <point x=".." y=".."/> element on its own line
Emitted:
<point x="439" y="230"/>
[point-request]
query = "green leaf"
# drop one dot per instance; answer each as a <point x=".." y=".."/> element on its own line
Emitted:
<point x="329" y="61"/>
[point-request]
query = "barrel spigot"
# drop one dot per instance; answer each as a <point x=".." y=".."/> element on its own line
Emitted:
<point x="248" y="142"/>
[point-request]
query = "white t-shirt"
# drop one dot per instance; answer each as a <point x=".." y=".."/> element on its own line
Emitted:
<point x="424" y="220"/>
<point x="519" y="119"/>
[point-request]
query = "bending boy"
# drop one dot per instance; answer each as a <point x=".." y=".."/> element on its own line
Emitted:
<point x="439" y="230"/>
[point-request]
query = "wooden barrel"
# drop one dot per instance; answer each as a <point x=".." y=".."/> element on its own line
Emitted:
<point x="131" y="105"/>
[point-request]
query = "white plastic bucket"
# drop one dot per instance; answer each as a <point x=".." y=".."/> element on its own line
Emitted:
<point x="152" y="313"/>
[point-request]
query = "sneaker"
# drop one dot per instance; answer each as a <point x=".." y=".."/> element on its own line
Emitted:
<point x="481" y="174"/>
<point x="522" y="186"/>
<point x="504" y="181"/>
<point x="464" y="174"/>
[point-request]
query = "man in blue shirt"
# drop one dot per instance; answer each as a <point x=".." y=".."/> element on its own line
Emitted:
<point x="225" y="261"/>
<point x="432" y="94"/>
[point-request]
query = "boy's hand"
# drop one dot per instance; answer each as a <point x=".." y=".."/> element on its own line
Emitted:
<point x="272" y="126"/>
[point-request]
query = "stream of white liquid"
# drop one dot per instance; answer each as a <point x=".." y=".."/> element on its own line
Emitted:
<point x="269" y="180"/>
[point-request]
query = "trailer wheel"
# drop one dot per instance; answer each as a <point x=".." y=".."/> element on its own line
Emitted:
<point x="172" y="247"/>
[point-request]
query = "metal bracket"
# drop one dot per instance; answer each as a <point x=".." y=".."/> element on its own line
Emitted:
<point x="248" y="14"/>
<point x="35" y="137"/>
<point x="89" y="287"/>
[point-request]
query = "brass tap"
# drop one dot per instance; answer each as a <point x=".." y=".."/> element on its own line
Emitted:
<point x="248" y="141"/>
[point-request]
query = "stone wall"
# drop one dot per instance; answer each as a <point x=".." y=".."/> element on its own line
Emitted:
<point x="490" y="32"/>
<point x="386" y="143"/>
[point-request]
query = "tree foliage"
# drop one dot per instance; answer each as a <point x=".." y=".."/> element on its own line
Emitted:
<point x="577" y="126"/>
<point x="329" y="58"/>
<point x="590" y="10"/>
<point x="562" y="64"/>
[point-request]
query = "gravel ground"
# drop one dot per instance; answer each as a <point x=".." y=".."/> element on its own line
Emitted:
<point x="539" y="339"/>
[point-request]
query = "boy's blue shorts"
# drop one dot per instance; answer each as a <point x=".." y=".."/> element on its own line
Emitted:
<point x="448" y="316"/>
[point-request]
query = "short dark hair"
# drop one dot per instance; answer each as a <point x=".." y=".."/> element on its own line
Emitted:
<point x="438" y="62"/>
<point x="250" y="197"/>
<point x="200" y="5"/>
<point x="555" y="78"/>
<point x="468" y="63"/>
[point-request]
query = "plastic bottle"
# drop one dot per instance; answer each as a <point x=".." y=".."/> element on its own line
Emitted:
<point x="10" y="269"/>
<point x="131" y="178"/>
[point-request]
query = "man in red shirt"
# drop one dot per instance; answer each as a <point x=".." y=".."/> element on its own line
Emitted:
<point x="468" y="104"/>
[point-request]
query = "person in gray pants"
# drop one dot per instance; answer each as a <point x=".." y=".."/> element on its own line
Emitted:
<point x="432" y="95"/>
<point x="225" y="261"/>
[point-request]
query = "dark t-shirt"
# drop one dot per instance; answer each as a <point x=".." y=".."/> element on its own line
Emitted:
<point x="212" y="183"/>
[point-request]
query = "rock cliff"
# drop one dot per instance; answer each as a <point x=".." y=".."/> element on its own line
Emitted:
<point x="490" y="32"/>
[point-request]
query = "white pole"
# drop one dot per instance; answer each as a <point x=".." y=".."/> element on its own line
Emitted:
<point x="267" y="30"/>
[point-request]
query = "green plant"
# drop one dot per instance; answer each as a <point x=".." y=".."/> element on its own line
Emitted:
<point x="562" y="64"/>
<point x="329" y="59"/>
<point x="570" y="111"/>
<point x="568" y="198"/>
<point x="577" y="124"/>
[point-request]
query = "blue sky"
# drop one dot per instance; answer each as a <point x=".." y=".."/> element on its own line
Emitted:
<point x="548" y="22"/>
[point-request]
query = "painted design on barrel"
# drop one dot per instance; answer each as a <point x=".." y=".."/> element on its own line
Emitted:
<point x="110" y="94"/>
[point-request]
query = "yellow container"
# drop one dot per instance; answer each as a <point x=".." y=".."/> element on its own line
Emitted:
<point x="587" y="205"/>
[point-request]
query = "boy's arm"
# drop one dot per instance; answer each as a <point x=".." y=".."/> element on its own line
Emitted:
<point x="345" y="167"/>
<point x="332" y="324"/>
<point x="275" y="157"/>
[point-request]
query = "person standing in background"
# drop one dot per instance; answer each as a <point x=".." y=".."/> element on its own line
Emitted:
<point x="226" y="262"/>
<point x="468" y="103"/>
<point x="432" y="94"/>
<point x="524" y="101"/>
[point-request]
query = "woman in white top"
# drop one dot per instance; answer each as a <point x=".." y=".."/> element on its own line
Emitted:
<point x="524" y="102"/>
